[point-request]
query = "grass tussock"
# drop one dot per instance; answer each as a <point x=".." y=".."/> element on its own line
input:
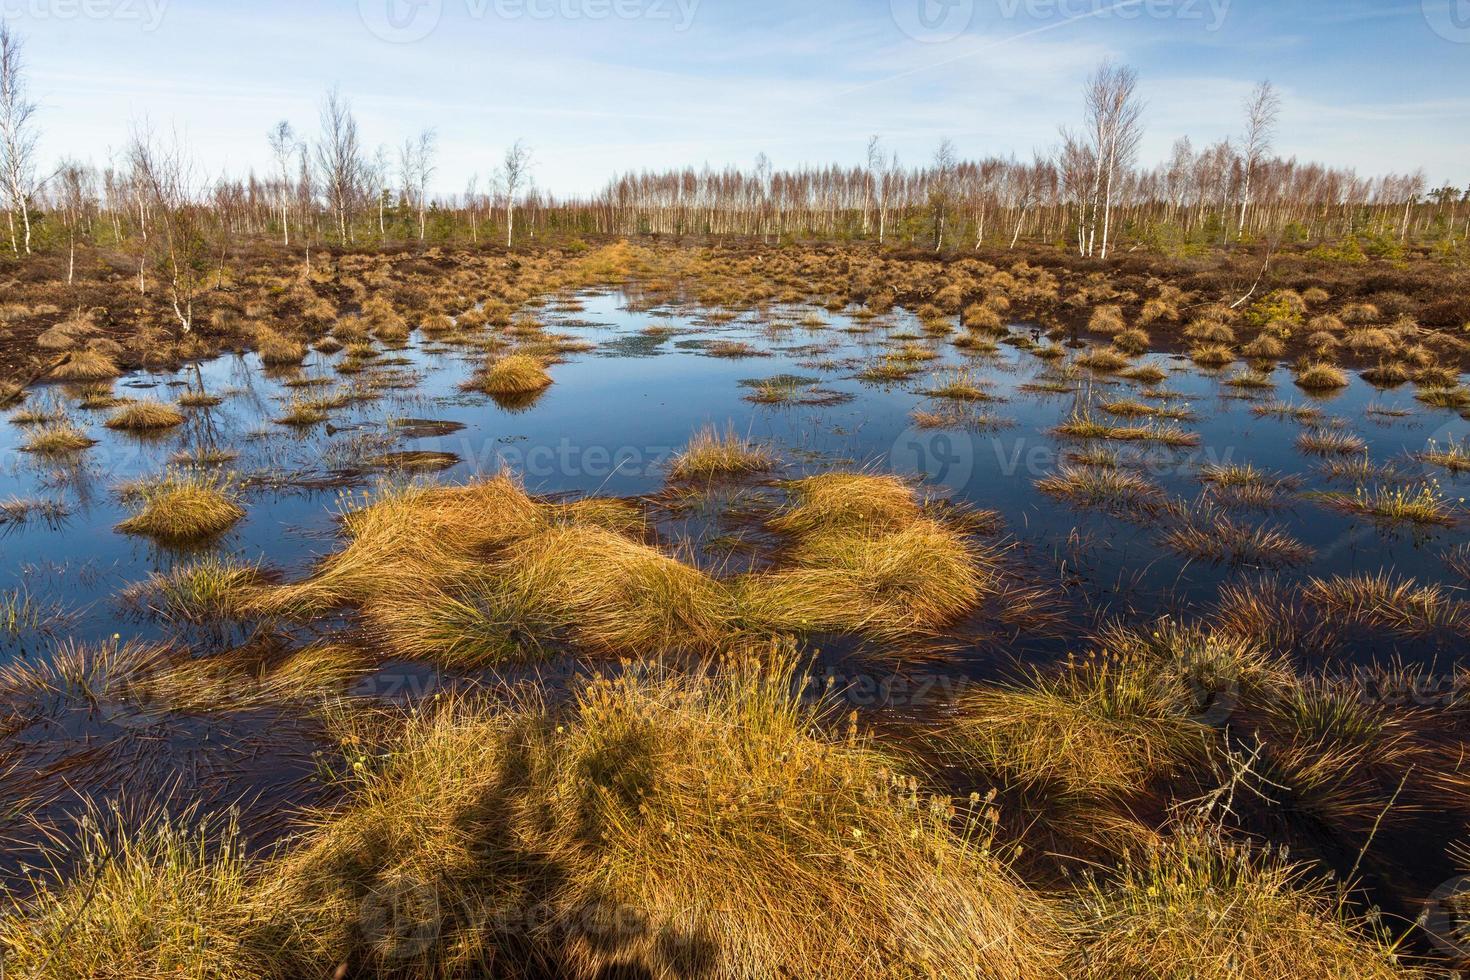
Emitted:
<point x="145" y="416"/>
<point x="1082" y="424"/>
<point x="484" y="574"/>
<point x="1331" y="442"/>
<point x="57" y="439"/>
<point x="1422" y="503"/>
<point x="1383" y="601"/>
<point x="660" y="826"/>
<point x="278" y="350"/>
<point x="959" y="384"/>
<point x="1101" y="486"/>
<point x="514" y="374"/>
<point x="713" y="453"/>
<point x="1206" y="533"/>
<point x="1453" y="454"/>
<point x="1105" y="726"/>
<point x="1199" y="905"/>
<point x="580" y="586"/>
<point x="1320" y="377"/>
<point x="865" y="560"/>
<point x="166" y="899"/>
<point x="183" y="507"/>
<point x="86" y="365"/>
<point x="208" y="590"/>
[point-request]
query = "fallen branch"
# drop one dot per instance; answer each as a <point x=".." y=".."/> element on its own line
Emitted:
<point x="8" y="400"/>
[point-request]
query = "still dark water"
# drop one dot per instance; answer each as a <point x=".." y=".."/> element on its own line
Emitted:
<point x="617" y="412"/>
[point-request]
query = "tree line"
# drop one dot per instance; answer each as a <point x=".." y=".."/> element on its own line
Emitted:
<point x="1089" y="194"/>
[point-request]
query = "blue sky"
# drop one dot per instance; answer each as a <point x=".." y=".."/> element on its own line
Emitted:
<point x="596" y="86"/>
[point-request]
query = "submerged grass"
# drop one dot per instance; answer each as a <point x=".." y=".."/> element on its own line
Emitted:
<point x="1106" y="486"/>
<point x="1381" y="600"/>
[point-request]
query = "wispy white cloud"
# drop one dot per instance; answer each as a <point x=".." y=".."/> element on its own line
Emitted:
<point x="805" y="83"/>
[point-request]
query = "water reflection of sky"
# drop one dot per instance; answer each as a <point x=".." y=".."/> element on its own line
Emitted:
<point x="615" y="414"/>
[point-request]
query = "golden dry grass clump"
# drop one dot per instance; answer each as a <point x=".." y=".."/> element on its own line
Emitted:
<point x="514" y="374"/>
<point x="657" y="826"/>
<point x="57" y="438"/>
<point x="183" y="507"/>
<point x="1107" y="320"/>
<point x="86" y="365"/>
<point x="867" y="560"/>
<point x="712" y="453"/>
<point x="1101" y="728"/>
<point x="276" y="349"/>
<point x="163" y="900"/>
<point x="145" y="416"/>
<point x="483" y="574"/>
<point x="407" y="534"/>
<point x="578" y="585"/>
<point x="1199" y="905"/>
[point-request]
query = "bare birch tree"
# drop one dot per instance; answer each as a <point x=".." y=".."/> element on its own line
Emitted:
<point x="472" y="206"/>
<point x="284" y="146"/>
<point x="941" y="188"/>
<point x="339" y="159"/>
<point x="1115" y="127"/>
<point x="377" y="178"/>
<point x="164" y="175"/>
<point x="881" y="169"/>
<point x="514" y="172"/>
<point x="416" y="164"/>
<point x="17" y="139"/>
<point x="76" y="197"/>
<point x="1261" y="111"/>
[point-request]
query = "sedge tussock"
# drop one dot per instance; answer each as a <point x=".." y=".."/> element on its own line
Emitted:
<point x="712" y="453"/>
<point x="848" y="501"/>
<point x="659" y="825"/>
<point x="86" y="365"/>
<point x="1422" y="503"/>
<point x="892" y="584"/>
<point x="57" y="439"/>
<point x="1206" y="532"/>
<point x="167" y="899"/>
<point x="1381" y="600"/>
<point x="514" y="374"/>
<point x="1453" y="454"/>
<point x="1320" y="377"/>
<point x="1199" y="905"/>
<point x="598" y="590"/>
<point x="207" y="590"/>
<point x="1100" y="728"/>
<point x="144" y="416"/>
<point x="182" y="507"/>
<point x="1101" y="486"/>
<point x="1082" y="424"/>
